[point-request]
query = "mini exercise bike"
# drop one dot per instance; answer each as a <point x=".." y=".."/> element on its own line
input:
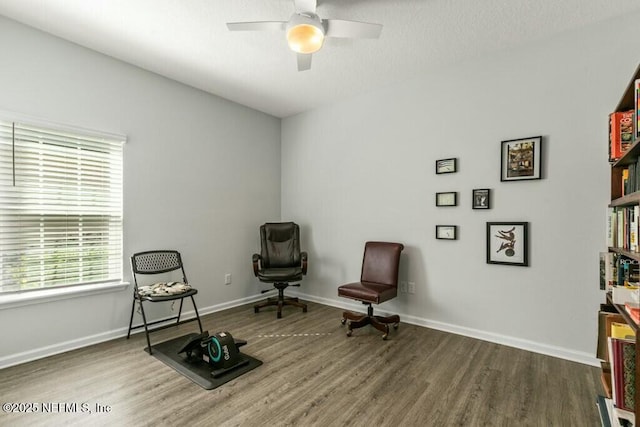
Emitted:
<point x="220" y="351"/>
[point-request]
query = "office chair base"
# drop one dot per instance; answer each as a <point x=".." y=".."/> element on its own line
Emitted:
<point x="359" y="320"/>
<point x="280" y="301"/>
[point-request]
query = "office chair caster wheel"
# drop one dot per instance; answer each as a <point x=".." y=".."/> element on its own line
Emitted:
<point x="343" y="322"/>
<point x="256" y="309"/>
<point x="349" y="332"/>
<point x="384" y="337"/>
<point x="395" y="325"/>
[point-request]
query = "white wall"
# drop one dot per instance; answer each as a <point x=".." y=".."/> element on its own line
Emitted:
<point x="201" y="173"/>
<point x="364" y="170"/>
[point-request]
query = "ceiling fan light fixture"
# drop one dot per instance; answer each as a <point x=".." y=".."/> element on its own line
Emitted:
<point x="305" y="33"/>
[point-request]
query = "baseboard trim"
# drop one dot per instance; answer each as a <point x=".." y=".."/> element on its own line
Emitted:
<point x="535" y="347"/>
<point x="560" y="352"/>
<point x="51" y="350"/>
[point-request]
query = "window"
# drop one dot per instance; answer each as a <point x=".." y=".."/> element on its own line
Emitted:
<point x="60" y="207"/>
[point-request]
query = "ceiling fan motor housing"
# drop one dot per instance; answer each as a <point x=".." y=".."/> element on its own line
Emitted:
<point x="305" y="32"/>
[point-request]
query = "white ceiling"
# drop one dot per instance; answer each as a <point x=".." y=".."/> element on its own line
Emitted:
<point x="187" y="40"/>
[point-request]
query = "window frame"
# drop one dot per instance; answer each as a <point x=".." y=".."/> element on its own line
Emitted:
<point x="64" y="290"/>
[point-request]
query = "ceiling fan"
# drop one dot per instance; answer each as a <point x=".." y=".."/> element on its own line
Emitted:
<point x="306" y="31"/>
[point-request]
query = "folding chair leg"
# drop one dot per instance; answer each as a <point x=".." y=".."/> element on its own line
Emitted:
<point x="196" y="310"/>
<point x="180" y="310"/>
<point x="146" y="329"/>
<point x="133" y="307"/>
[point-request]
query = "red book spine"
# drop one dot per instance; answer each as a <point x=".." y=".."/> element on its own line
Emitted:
<point x="620" y="133"/>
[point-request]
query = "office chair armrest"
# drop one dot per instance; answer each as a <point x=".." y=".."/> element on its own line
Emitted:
<point x="255" y="259"/>
<point x="303" y="255"/>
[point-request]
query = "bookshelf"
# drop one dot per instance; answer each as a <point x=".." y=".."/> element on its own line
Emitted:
<point x="620" y="200"/>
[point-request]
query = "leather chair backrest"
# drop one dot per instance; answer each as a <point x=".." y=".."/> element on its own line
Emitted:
<point x="280" y="244"/>
<point x="381" y="263"/>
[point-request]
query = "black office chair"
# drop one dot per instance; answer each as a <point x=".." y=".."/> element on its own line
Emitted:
<point x="155" y="263"/>
<point x="280" y="262"/>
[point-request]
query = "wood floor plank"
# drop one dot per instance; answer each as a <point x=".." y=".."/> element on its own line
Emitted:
<point x="313" y="375"/>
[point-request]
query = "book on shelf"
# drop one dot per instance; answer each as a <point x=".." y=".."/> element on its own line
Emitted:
<point x="622" y="357"/>
<point x="605" y="319"/>
<point x="633" y="228"/>
<point x="622" y="294"/>
<point x="605" y="418"/>
<point x="620" y="330"/>
<point x="623" y="228"/>
<point x="621" y="224"/>
<point x="631" y="268"/>
<point x="621" y="349"/>
<point x="633" y="309"/>
<point x="620" y="133"/>
<point x="628" y="374"/>
<point x="636" y="97"/>
<point x="611" y="228"/>
<point x="617" y="417"/>
<point x="607" y="268"/>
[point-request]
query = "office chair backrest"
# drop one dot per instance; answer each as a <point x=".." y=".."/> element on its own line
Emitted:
<point x="280" y="244"/>
<point x="381" y="263"/>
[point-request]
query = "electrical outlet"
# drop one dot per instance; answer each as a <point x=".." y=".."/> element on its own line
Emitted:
<point x="403" y="287"/>
<point x="227" y="279"/>
<point x="411" y="287"/>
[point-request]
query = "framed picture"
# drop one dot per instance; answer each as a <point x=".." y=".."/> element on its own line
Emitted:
<point x="447" y="232"/>
<point x="447" y="199"/>
<point x="481" y="198"/>
<point x="446" y="166"/>
<point x="521" y="159"/>
<point x="507" y="243"/>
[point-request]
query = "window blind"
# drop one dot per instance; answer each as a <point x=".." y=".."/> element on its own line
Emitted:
<point x="60" y="207"/>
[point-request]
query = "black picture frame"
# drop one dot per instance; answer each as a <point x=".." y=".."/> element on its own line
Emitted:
<point x="521" y="159"/>
<point x="447" y="198"/>
<point x="447" y="232"/>
<point x="508" y="243"/>
<point x="481" y="198"/>
<point x="446" y="166"/>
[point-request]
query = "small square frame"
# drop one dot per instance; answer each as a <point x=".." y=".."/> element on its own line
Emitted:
<point x="447" y="232"/>
<point x="446" y="166"/>
<point x="448" y="198"/>
<point x="481" y="198"/>
<point x="521" y="159"/>
<point x="507" y="243"/>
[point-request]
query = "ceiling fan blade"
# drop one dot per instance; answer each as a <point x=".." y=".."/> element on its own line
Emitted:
<point x="304" y="61"/>
<point x="305" y="5"/>
<point x="257" y="26"/>
<point x="351" y="29"/>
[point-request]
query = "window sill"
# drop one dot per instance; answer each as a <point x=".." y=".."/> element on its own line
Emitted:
<point x="20" y="299"/>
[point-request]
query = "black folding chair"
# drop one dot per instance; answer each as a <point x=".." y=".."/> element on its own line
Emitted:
<point x="155" y="263"/>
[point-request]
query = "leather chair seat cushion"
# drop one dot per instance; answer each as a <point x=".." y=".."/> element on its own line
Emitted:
<point x="368" y="291"/>
<point x="284" y="274"/>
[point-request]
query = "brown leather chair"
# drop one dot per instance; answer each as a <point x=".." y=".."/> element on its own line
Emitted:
<point x="378" y="283"/>
<point x="280" y="262"/>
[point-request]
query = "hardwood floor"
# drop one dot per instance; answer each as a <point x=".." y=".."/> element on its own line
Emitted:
<point x="312" y="375"/>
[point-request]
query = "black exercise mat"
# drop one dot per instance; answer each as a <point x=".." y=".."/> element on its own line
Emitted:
<point x="199" y="372"/>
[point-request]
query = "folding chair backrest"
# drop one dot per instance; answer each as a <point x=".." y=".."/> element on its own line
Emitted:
<point x="157" y="262"/>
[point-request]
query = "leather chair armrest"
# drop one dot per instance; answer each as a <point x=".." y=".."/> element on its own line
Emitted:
<point x="255" y="259"/>
<point x="303" y="255"/>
